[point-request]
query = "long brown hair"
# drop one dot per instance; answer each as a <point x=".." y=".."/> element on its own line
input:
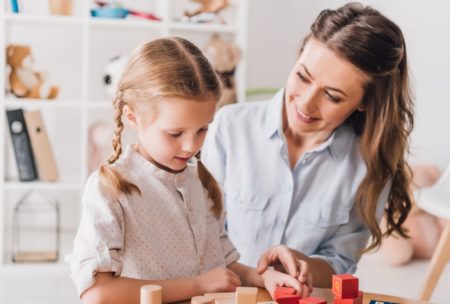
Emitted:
<point x="375" y="45"/>
<point x="168" y="67"/>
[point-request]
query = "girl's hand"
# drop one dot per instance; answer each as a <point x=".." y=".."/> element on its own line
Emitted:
<point x="218" y="280"/>
<point x="273" y="278"/>
<point x="283" y="256"/>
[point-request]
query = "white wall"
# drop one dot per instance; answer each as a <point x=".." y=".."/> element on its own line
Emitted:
<point x="277" y="27"/>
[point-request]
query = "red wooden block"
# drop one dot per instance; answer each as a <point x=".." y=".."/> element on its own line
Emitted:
<point x="284" y="290"/>
<point x="286" y="299"/>
<point x="357" y="300"/>
<point x="312" y="300"/>
<point x="345" y="286"/>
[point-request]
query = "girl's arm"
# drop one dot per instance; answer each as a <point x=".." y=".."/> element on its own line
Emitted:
<point x="111" y="289"/>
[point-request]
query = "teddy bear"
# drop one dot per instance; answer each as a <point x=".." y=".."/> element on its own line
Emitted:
<point x="423" y="228"/>
<point x="24" y="81"/>
<point x="224" y="57"/>
<point x="113" y="72"/>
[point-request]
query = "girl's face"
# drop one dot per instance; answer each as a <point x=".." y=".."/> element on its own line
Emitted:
<point x="176" y="133"/>
<point x="322" y="91"/>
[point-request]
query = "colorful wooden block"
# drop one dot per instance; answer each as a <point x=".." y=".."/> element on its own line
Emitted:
<point x="202" y="300"/>
<point x="151" y="294"/>
<point x="286" y="299"/>
<point x="221" y="295"/>
<point x="345" y="286"/>
<point x="381" y="302"/>
<point x="285" y="290"/>
<point x="312" y="300"/>
<point x="357" y="300"/>
<point x="246" y="295"/>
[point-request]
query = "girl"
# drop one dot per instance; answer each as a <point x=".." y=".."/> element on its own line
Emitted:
<point x="153" y="215"/>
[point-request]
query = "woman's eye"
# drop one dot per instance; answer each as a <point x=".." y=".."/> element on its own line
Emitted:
<point x="302" y="78"/>
<point x="332" y="98"/>
<point x="202" y="130"/>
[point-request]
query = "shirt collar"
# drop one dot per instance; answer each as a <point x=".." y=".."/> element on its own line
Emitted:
<point x="273" y="119"/>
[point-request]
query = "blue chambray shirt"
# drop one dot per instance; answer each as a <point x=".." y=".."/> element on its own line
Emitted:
<point x="309" y="208"/>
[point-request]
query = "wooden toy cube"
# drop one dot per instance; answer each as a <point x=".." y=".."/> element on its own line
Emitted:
<point x="345" y="286"/>
<point x="284" y="290"/>
<point x="246" y="295"/>
<point x="357" y="300"/>
<point x="286" y="299"/>
<point x="312" y="300"/>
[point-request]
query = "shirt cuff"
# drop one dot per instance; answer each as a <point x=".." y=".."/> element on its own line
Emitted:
<point x="83" y="269"/>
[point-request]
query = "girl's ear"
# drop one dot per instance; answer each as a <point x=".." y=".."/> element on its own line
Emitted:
<point x="130" y="116"/>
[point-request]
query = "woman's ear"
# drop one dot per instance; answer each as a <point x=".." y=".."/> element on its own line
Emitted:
<point x="130" y="116"/>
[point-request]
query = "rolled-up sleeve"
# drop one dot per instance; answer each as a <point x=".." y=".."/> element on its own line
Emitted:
<point x="99" y="239"/>
<point x="344" y="248"/>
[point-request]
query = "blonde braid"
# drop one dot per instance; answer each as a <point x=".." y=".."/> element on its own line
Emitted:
<point x="117" y="139"/>
<point x="109" y="177"/>
<point x="211" y="186"/>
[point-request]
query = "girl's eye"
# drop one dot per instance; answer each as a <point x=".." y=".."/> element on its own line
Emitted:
<point x="175" y="135"/>
<point x="202" y="130"/>
<point x="302" y="78"/>
<point x="332" y="98"/>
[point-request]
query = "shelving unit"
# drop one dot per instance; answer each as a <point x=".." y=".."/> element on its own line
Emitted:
<point x="74" y="51"/>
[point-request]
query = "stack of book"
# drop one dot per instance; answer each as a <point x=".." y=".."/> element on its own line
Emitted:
<point x="32" y="150"/>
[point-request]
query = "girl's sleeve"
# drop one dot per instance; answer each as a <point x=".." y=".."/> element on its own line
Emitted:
<point x="100" y="237"/>
<point x="344" y="248"/>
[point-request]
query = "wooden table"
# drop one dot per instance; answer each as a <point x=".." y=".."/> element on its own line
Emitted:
<point x="325" y="293"/>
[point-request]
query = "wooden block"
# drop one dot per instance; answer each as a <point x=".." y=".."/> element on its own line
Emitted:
<point x="287" y="299"/>
<point x="357" y="300"/>
<point x="225" y="301"/>
<point x="202" y="300"/>
<point x="221" y="295"/>
<point x="312" y="300"/>
<point x="151" y="294"/>
<point x="246" y="295"/>
<point x="345" y="286"/>
<point x="284" y="290"/>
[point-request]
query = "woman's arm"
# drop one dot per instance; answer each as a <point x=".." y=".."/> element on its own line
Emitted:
<point x="293" y="263"/>
<point x="111" y="289"/>
<point x="270" y="279"/>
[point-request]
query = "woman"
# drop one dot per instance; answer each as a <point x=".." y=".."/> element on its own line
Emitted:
<point x="313" y="168"/>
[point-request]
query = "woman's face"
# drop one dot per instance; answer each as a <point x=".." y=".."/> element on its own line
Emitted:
<point x="322" y="91"/>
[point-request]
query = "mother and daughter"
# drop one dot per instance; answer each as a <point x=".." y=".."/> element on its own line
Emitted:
<point x="304" y="178"/>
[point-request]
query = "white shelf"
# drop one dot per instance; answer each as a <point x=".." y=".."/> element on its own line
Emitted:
<point x="56" y="186"/>
<point x="74" y="52"/>
<point x="202" y="27"/>
<point x="125" y="23"/>
<point x="43" y="20"/>
<point x="41" y="103"/>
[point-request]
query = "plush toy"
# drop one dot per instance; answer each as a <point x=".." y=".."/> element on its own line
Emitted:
<point x="100" y="148"/>
<point x="113" y="72"/>
<point x="24" y="81"/>
<point x="208" y="6"/>
<point x="423" y="228"/>
<point x="224" y="57"/>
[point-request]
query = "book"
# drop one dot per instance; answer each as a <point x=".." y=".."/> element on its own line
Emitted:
<point x="14" y="6"/>
<point x="21" y="145"/>
<point x="43" y="155"/>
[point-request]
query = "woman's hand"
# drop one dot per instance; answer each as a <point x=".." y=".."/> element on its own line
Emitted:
<point x="273" y="278"/>
<point x="283" y="256"/>
<point x="218" y="280"/>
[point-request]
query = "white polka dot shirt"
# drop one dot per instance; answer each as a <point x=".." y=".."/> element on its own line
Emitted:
<point x="167" y="232"/>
